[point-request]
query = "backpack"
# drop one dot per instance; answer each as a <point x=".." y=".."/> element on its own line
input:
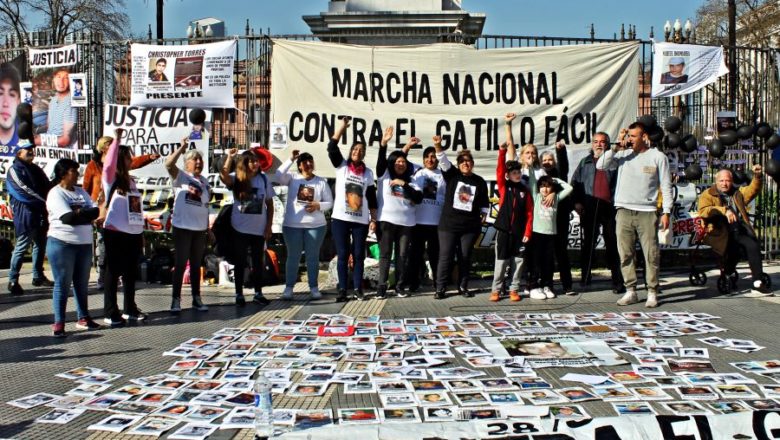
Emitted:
<point x="271" y="269"/>
<point x="224" y="234"/>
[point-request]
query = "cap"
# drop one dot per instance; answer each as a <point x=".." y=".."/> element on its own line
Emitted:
<point x="676" y="60"/>
<point x="264" y="158"/>
<point x="23" y="144"/>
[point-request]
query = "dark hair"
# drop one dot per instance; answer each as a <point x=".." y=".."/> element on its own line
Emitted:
<point x="512" y="165"/>
<point x="161" y="60"/>
<point x="242" y="184"/>
<point x="123" y="171"/>
<point x="352" y="148"/>
<point x="464" y="155"/>
<point x="638" y="125"/>
<point x="8" y="72"/>
<point x="394" y="156"/>
<point x="545" y="181"/>
<point x="302" y="158"/>
<point x="61" y="168"/>
<point x="428" y="150"/>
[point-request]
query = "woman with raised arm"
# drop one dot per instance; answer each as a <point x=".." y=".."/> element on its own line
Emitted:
<point x="354" y="210"/>
<point x="123" y="222"/>
<point x="397" y="197"/>
<point x="308" y="198"/>
<point x="190" y="221"/>
<point x="251" y="218"/>
<point x="466" y="204"/>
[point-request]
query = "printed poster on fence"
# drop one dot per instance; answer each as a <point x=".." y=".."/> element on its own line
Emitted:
<point x="157" y="130"/>
<point x="12" y="92"/>
<point x="55" y="116"/>
<point x="565" y="93"/>
<point x="685" y="68"/>
<point x="196" y="75"/>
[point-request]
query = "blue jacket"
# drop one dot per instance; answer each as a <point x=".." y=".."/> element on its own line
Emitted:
<point x="583" y="177"/>
<point x="28" y="187"/>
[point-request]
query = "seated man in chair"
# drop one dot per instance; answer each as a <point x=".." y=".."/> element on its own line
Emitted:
<point x="724" y="211"/>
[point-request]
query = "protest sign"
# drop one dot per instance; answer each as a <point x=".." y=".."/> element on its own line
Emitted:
<point x="196" y="75"/>
<point x="562" y="93"/>
<point x="684" y="68"/>
<point x="55" y="118"/>
<point x="160" y="131"/>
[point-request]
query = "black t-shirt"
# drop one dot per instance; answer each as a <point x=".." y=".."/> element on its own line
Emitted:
<point x="464" y="201"/>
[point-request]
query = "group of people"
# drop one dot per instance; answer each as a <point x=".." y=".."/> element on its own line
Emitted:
<point x="435" y="209"/>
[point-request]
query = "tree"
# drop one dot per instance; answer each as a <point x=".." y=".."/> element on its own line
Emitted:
<point x="757" y="21"/>
<point x="61" y="18"/>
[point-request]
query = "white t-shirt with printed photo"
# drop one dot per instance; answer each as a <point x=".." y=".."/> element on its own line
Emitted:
<point x="61" y="201"/>
<point x="190" y="202"/>
<point x="434" y="189"/>
<point x="393" y="207"/>
<point x="350" y="199"/>
<point x="249" y="216"/>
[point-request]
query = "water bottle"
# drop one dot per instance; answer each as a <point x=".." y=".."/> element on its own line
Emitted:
<point x="264" y="418"/>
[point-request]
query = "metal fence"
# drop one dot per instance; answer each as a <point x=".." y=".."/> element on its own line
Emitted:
<point x="107" y="66"/>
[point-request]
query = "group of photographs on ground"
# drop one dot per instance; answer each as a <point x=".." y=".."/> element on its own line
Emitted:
<point x="477" y="367"/>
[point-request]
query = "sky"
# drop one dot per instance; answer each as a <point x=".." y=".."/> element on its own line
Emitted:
<point x="556" y="18"/>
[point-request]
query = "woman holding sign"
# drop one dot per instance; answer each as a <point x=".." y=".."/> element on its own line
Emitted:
<point x="190" y="221"/>
<point x="308" y="198"/>
<point x="251" y="218"/>
<point x="352" y="217"/>
<point x="123" y="220"/>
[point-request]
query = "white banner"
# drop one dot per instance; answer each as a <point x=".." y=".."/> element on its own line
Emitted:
<point x="685" y="68"/>
<point x="197" y="75"/>
<point x="559" y="93"/>
<point x="160" y="131"/>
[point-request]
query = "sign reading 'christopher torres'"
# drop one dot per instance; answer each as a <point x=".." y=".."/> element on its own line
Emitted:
<point x="562" y="93"/>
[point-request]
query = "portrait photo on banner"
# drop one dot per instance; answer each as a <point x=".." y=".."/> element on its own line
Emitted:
<point x="55" y="117"/>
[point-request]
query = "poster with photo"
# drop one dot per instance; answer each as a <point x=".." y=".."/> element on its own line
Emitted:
<point x="679" y="69"/>
<point x="78" y="90"/>
<point x="197" y="75"/>
<point x="55" y="118"/>
<point x="278" y="135"/>
<point x="464" y="196"/>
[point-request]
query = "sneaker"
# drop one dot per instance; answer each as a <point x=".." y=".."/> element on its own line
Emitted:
<point x="58" y="330"/>
<point x="42" y="282"/>
<point x="495" y="296"/>
<point x="548" y="293"/>
<point x="315" y="293"/>
<point x="758" y="290"/>
<point x="240" y="301"/>
<point x="175" y="306"/>
<point x="87" y="324"/>
<point x="115" y="322"/>
<point x="197" y="303"/>
<point x="401" y="292"/>
<point x="358" y="295"/>
<point x="526" y="292"/>
<point x="135" y="315"/>
<point x="342" y="296"/>
<point x="652" y="299"/>
<point x="14" y="288"/>
<point x="570" y="291"/>
<point x="287" y="295"/>
<point x="514" y="295"/>
<point x="537" y="294"/>
<point x="440" y="294"/>
<point x="463" y="290"/>
<point x="630" y="297"/>
<point x="260" y="299"/>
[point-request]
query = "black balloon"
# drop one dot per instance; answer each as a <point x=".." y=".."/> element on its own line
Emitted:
<point x="689" y="143"/>
<point x="648" y="121"/>
<point x="716" y="148"/>
<point x="745" y="132"/>
<point x="656" y="134"/>
<point x="728" y="137"/>
<point x="673" y="140"/>
<point x="24" y="112"/>
<point x="693" y="172"/>
<point x="739" y="177"/>
<point x="672" y="124"/>
<point x="24" y="130"/>
<point x="773" y="141"/>
<point x="763" y="130"/>
<point x="772" y="168"/>
<point x="197" y="116"/>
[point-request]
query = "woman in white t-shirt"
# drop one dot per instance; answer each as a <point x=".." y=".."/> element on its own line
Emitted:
<point x="69" y="246"/>
<point x="190" y="221"/>
<point x="251" y="218"/>
<point x="308" y="198"/>
<point x="123" y="222"/>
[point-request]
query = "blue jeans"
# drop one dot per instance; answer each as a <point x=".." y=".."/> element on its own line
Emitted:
<point x="299" y="240"/>
<point x="342" y="231"/>
<point x="36" y="237"/>
<point x="70" y="264"/>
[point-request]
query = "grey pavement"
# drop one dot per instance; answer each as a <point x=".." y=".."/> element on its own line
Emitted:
<point x="31" y="357"/>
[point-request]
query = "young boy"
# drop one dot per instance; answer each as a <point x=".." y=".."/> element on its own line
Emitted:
<point x="544" y="230"/>
<point x="514" y="224"/>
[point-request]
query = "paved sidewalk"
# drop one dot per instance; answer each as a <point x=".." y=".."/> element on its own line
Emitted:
<point x="31" y="357"/>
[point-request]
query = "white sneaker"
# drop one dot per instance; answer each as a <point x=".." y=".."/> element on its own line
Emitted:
<point x="630" y="297"/>
<point x="315" y="293"/>
<point x="758" y="291"/>
<point x="288" y="293"/>
<point x="526" y="292"/>
<point x="548" y="293"/>
<point x="538" y="294"/>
